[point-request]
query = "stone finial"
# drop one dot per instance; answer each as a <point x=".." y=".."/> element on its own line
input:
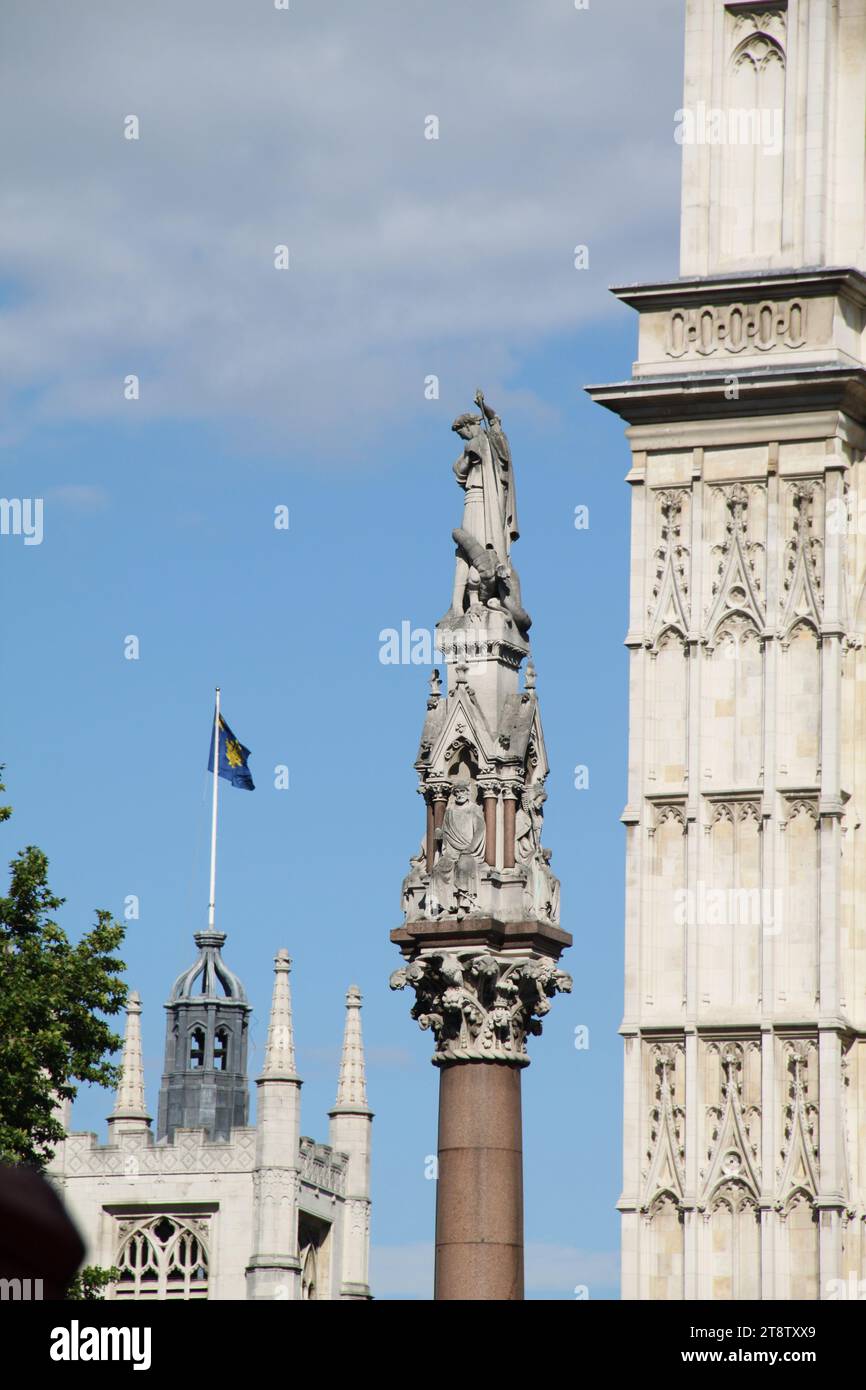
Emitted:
<point x="129" y="1103"/>
<point x="280" y="1047"/>
<point x="352" y="1085"/>
<point x="531" y="677"/>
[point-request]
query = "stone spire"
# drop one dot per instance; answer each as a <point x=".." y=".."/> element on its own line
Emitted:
<point x="351" y="1134"/>
<point x="130" y="1110"/>
<point x="280" y="1047"/>
<point x="352" y="1085"/>
<point x="274" y="1269"/>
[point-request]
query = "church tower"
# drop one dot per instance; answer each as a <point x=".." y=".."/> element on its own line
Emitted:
<point x="204" y="1084"/>
<point x="745" y="988"/>
<point x="481" y="937"/>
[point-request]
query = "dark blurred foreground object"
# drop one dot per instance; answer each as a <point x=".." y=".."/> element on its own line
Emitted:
<point x="37" y="1238"/>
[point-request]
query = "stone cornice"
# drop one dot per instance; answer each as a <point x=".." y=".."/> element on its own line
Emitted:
<point x="542" y="937"/>
<point x="694" y="291"/>
<point x="704" y="395"/>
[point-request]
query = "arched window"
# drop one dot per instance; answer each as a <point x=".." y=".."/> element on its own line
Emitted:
<point x="309" y="1273"/>
<point x="314" y="1247"/>
<point x="221" y="1050"/>
<point x="196" y="1049"/>
<point x="752" y="151"/>
<point x="163" y="1257"/>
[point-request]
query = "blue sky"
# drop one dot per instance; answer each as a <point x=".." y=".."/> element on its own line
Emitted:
<point x="305" y="388"/>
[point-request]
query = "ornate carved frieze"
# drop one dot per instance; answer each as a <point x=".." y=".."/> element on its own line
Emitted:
<point x="669" y="606"/>
<point x="802" y="582"/>
<point x="795" y="804"/>
<point x="764" y="326"/>
<point x="798" y="1170"/>
<point x="275" y="1190"/>
<point x="322" y="1168"/>
<point x="663" y="811"/>
<point x="734" y="1128"/>
<point x="666" y="1152"/>
<point x="358" y="1218"/>
<point x="733" y="808"/>
<point x="740" y="556"/>
<point x="479" y="1006"/>
<point x="769" y="20"/>
<point x="138" y="1156"/>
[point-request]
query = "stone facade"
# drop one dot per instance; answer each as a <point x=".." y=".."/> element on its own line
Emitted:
<point x="216" y="1211"/>
<point x="745" y="989"/>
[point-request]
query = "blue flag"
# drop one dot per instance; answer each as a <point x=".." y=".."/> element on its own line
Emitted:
<point x="232" y="758"/>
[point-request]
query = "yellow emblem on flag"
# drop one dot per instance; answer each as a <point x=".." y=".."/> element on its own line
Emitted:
<point x="232" y="758"/>
<point x="233" y="752"/>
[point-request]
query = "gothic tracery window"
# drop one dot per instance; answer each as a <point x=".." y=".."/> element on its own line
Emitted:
<point x="753" y="142"/>
<point x="163" y="1257"/>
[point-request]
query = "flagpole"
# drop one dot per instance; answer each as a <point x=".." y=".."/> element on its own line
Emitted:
<point x="213" y="828"/>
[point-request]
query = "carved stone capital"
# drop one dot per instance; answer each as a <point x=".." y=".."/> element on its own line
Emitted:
<point x="481" y="1006"/>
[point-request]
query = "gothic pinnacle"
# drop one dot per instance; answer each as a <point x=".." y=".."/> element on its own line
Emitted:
<point x="352" y="1085"/>
<point x="280" y="1046"/>
<point x="129" y="1102"/>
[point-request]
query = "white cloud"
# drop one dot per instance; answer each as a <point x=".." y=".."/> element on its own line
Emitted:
<point x="306" y="127"/>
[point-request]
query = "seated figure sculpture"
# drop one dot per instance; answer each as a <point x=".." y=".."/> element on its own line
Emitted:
<point x="460" y="841"/>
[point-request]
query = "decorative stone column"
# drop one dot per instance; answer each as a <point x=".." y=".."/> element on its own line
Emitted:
<point x="430" y="833"/>
<point x="510" y="795"/>
<point x="481" y="939"/>
<point x="490" y="796"/>
<point x="439" y="794"/>
<point x="481" y="1002"/>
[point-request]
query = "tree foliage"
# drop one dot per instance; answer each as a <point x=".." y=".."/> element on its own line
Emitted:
<point x="51" y="995"/>
<point x="90" y="1283"/>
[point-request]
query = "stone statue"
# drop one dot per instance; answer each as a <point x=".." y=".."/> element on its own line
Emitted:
<point x="454" y="880"/>
<point x="541" y="895"/>
<point x="415" y="881"/>
<point x="484" y="470"/>
<point x="528" y="822"/>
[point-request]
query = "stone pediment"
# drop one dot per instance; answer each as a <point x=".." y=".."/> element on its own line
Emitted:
<point x="520" y="730"/>
<point x="463" y="723"/>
